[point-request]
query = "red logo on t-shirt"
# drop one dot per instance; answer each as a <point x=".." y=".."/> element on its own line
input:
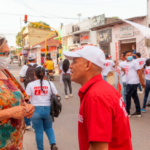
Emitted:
<point x="108" y="64"/>
<point x="80" y="118"/>
<point x="147" y="71"/>
<point x="38" y="91"/>
<point x="126" y="70"/>
<point x="141" y="62"/>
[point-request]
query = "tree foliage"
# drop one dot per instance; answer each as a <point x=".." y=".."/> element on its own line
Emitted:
<point x="38" y="26"/>
<point x="18" y="38"/>
<point x="115" y="17"/>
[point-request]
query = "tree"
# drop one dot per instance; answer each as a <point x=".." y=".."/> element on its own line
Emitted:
<point x="19" y="39"/>
<point x="115" y="17"/>
<point x="38" y="26"/>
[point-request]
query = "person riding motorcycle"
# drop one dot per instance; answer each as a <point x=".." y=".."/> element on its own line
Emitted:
<point x="49" y="65"/>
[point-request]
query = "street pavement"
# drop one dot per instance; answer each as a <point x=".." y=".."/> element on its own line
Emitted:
<point x="66" y="125"/>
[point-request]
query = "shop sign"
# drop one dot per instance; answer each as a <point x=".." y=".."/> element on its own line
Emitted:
<point x="126" y="31"/>
<point x="98" y="20"/>
<point x="105" y="36"/>
<point x="84" y="37"/>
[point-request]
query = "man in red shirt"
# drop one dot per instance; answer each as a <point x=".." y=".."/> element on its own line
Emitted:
<point x="103" y="122"/>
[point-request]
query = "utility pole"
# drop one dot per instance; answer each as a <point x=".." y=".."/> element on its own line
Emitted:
<point x="79" y="15"/>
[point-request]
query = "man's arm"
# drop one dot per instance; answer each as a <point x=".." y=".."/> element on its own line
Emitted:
<point x="141" y="78"/>
<point x="22" y="80"/>
<point x="98" y="146"/>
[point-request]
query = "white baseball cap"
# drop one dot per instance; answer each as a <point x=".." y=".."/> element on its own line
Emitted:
<point x="32" y="56"/>
<point x="91" y="53"/>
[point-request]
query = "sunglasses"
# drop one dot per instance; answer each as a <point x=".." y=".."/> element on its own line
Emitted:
<point x="6" y="54"/>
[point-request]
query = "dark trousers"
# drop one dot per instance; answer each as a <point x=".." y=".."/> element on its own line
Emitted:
<point x="147" y="90"/>
<point x="132" y="92"/>
<point x="67" y="81"/>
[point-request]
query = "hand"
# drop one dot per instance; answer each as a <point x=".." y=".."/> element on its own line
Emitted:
<point x="143" y="85"/>
<point x="17" y="112"/>
<point x="29" y="110"/>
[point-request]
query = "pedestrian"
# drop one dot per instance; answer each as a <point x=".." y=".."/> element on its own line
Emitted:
<point x="27" y="76"/>
<point x="109" y="65"/>
<point x="146" y="70"/>
<point x="141" y="62"/>
<point x="123" y="78"/>
<point x="60" y="63"/>
<point x="133" y="73"/>
<point x="42" y="60"/>
<point x="65" y="70"/>
<point x="40" y="93"/>
<point x="49" y="64"/>
<point x="12" y="106"/>
<point x="133" y="51"/>
<point x="103" y="122"/>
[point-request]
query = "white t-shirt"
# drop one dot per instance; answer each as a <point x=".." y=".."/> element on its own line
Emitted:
<point x="122" y="73"/>
<point x="24" y="69"/>
<point x="108" y="67"/>
<point x="38" y="98"/>
<point x="147" y="72"/>
<point x="131" y="71"/>
<point x="141" y="62"/>
<point x="68" y="71"/>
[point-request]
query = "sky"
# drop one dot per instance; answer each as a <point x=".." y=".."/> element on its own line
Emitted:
<point x="55" y="12"/>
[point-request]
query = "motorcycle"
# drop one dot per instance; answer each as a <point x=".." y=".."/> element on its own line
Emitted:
<point x="50" y="75"/>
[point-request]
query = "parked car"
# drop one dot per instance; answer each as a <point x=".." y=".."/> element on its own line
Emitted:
<point x="15" y="60"/>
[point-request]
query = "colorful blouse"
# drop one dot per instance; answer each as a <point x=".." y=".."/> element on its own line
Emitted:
<point x="11" y="130"/>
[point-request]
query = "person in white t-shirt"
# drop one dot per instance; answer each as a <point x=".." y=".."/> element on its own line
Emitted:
<point x="123" y="77"/>
<point x="133" y="74"/>
<point x="65" y="71"/>
<point x="109" y="66"/>
<point x="141" y="62"/>
<point x="146" y="70"/>
<point x="40" y="93"/>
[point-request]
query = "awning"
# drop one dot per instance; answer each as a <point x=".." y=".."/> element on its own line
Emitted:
<point x="144" y="30"/>
<point x="51" y="49"/>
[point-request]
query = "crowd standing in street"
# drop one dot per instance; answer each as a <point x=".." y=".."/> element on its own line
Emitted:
<point x="40" y="93"/>
<point x="12" y="104"/>
<point x="26" y="76"/>
<point x="65" y="71"/>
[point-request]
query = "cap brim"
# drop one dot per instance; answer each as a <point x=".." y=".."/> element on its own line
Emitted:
<point x="71" y="55"/>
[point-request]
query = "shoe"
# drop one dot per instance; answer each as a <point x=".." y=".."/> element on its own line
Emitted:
<point x="136" y="114"/>
<point x="71" y="95"/>
<point x="143" y="110"/>
<point x="54" y="147"/>
<point x="148" y="105"/>
<point x="140" y="92"/>
<point x="66" y="97"/>
<point x="28" y="127"/>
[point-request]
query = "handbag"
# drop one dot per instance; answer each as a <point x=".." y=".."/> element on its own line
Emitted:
<point x="56" y="105"/>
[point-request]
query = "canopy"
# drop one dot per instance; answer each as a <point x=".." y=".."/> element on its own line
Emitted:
<point x="144" y="30"/>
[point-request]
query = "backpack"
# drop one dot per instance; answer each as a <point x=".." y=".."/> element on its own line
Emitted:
<point x="56" y="105"/>
<point x="30" y="74"/>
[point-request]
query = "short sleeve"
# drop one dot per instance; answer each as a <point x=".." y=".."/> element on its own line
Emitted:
<point x="122" y="65"/>
<point x="136" y="65"/>
<point x="98" y="119"/>
<point x="113" y="64"/>
<point x="53" y="88"/>
<point x="60" y="67"/>
<point x="23" y="71"/>
<point x="28" y="90"/>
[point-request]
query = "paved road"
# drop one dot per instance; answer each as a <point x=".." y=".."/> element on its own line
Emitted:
<point x="65" y="127"/>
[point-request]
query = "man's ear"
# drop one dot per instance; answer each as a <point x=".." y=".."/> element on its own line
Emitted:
<point x="89" y="64"/>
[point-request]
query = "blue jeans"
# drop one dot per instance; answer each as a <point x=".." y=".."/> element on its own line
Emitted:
<point x="132" y="92"/>
<point x="147" y="90"/>
<point x="27" y="121"/>
<point x="42" y="121"/>
<point x="105" y="78"/>
<point x="125" y="91"/>
<point x="140" y="88"/>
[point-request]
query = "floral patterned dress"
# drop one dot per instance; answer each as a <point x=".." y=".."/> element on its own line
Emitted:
<point x="11" y="130"/>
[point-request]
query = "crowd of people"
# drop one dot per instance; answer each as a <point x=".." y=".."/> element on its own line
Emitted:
<point x="103" y="121"/>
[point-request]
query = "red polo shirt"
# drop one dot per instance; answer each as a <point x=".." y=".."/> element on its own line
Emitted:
<point x="102" y="116"/>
